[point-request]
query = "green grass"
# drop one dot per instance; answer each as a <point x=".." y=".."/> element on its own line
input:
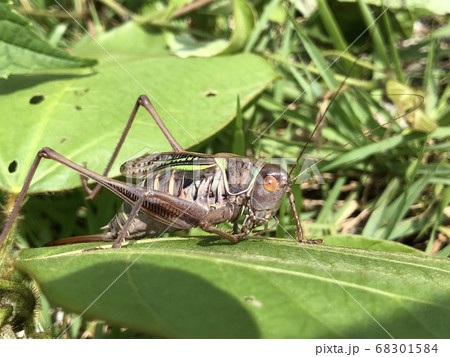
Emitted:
<point x="388" y="182"/>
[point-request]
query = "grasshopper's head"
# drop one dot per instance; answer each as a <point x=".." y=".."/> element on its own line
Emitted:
<point x="270" y="186"/>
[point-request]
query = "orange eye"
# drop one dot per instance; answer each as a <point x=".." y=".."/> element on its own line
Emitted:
<point x="270" y="183"/>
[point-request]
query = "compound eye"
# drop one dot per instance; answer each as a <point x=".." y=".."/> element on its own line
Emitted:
<point x="270" y="183"/>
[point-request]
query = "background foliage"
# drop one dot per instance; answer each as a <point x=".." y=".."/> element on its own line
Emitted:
<point x="287" y="61"/>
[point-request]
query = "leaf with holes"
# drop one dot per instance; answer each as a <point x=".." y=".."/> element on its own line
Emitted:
<point x="269" y="288"/>
<point x="81" y="115"/>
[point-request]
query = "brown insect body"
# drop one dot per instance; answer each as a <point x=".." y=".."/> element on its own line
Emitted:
<point x="224" y="182"/>
<point x="179" y="190"/>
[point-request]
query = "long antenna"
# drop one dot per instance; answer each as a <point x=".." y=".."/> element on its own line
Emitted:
<point x="323" y="115"/>
<point x="362" y="135"/>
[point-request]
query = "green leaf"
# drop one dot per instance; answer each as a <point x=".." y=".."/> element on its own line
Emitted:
<point x="184" y="45"/>
<point x="118" y="43"/>
<point x="272" y="288"/>
<point x="316" y="57"/>
<point x="271" y="9"/>
<point x="23" y="51"/>
<point x="83" y="114"/>
<point x="331" y="25"/>
<point x="239" y="134"/>
<point x="371" y="24"/>
<point x="361" y="242"/>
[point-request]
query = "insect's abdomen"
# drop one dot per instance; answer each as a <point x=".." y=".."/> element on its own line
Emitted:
<point x="202" y="187"/>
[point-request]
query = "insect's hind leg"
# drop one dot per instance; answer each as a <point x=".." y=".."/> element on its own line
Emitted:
<point x="147" y="104"/>
<point x="20" y="198"/>
<point x="117" y="187"/>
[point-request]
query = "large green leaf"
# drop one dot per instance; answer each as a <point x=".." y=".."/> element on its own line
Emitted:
<point x="82" y="114"/>
<point x="272" y="288"/>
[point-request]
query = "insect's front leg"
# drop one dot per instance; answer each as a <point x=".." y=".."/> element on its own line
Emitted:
<point x="266" y="227"/>
<point x="247" y="224"/>
<point x="300" y="236"/>
<point x="251" y="221"/>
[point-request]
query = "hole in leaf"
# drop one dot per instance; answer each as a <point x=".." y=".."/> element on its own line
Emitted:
<point x="36" y="99"/>
<point x="252" y="300"/>
<point x="12" y="167"/>
<point x="211" y="93"/>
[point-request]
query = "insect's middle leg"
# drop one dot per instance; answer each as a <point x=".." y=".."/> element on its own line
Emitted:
<point x="219" y="215"/>
<point x="121" y="236"/>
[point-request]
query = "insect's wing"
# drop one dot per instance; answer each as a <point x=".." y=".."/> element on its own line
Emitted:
<point x="151" y="165"/>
